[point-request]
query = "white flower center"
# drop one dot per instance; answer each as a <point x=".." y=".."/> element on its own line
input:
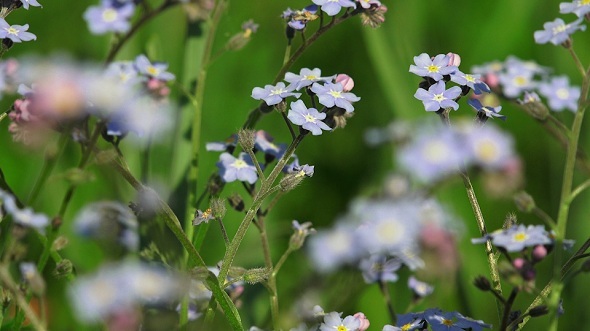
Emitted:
<point x="239" y="164"/>
<point x="487" y="151"/>
<point x="278" y="91"/>
<point x="438" y="97"/>
<point x="436" y="152"/>
<point x="562" y="93"/>
<point x="309" y="118"/>
<point x="335" y="94"/>
<point x="109" y="15"/>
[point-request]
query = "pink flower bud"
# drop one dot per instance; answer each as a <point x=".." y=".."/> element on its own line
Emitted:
<point x="346" y="81"/>
<point x="518" y="263"/>
<point x="539" y="252"/>
<point x="454" y="59"/>
<point x="364" y="321"/>
<point x="491" y="79"/>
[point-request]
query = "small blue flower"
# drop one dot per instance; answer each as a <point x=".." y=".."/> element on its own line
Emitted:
<point x="333" y="321"/>
<point x="298" y="19"/>
<point x="124" y="72"/>
<point x="16" y="33"/>
<point x="452" y="321"/>
<point x="557" y="32"/>
<point x="329" y="249"/>
<point x="438" y="97"/>
<point x="578" y="7"/>
<point x="331" y="95"/>
<point x="486" y="111"/>
<point x="307" y="118"/>
<point x="433" y="68"/>
<point x="223" y="146"/>
<point x="264" y="142"/>
<point x="27" y="3"/>
<point x="516" y="79"/>
<point x="489" y="147"/>
<point x="108" y="17"/>
<point x="333" y="7"/>
<point x="305" y="78"/>
<point x="407" y="322"/>
<point x="26" y="216"/>
<point x="378" y="268"/>
<point x="560" y="95"/>
<point x="152" y="70"/>
<point x="472" y="81"/>
<point x="518" y="237"/>
<point x="273" y="95"/>
<point x="241" y="168"/>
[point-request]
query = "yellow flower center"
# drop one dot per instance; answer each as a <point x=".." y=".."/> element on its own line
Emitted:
<point x="406" y="327"/>
<point x="447" y="322"/>
<point x="109" y="15"/>
<point x="239" y="164"/>
<point x="563" y="93"/>
<point x="435" y="152"/>
<point x="342" y="328"/>
<point x="432" y="68"/>
<point x="438" y="97"/>
<point x="277" y="91"/>
<point x="487" y="151"/>
<point x="521" y="236"/>
<point x="309" y="118"/>
<point x="335" y="94"/>
<point x="388" y="232"/>
<point x="520" y="81"/>
<point x="153" y="71"/>
<point x="559" y="29"/>
<point x="310" y="77"/>
<point x="12" y="30"/>
<point x="247" y="33"/>
<point x="470" y="78"/>
<point x="584" y="2"/>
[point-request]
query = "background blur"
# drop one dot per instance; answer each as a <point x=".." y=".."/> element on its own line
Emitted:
<point x="345" y="167"/>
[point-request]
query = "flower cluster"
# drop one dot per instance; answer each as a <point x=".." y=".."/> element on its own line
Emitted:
<point x="436" y="72"/>
<point x="380" y="236"/>
<point x="437" y="151"/>
<point x="514" y="77"/>
<point x="438" y="320"/>
<point x="332" y="92"/>
<point x="558" y="32"/>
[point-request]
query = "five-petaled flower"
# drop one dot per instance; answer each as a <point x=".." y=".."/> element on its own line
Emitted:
<point x="153" y="70"/>
<point x="307" y="118"/>
<point x="434" y="68"/>
<point x="108" y="17"/>
<point x="333" y="7"/>
<point x="438" y="97"/>
<point x="241" y="168"/>
<point x="16" y="33"/>
<point x="557" y="32"/>
<point x="331" y="95"/>
<point x="273" y="95"/>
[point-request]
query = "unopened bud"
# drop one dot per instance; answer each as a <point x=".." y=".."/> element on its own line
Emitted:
<point x="290" y="181"/>
<point x="538" y="311"/>
<point x="524" y="202"/>
<point x="106" y="156"/>
<point x="218" y="208"/>
<point x="454" y="59"/>
<point x="60" y="243"/>
<point x="256" y="275"/>
<point x="281" y="107"/>
<point x="214" y="184"/>
<point x="236" y="202"/>
<point x="301" y="232"/>
<point x="539" y="253"/>
<point x="364" y="325"/>
<point x="346" y="82"/>
<point x="482" y="283"/>
<point x="533" y="105"/>
<point x="63" y="269"/>
<point x="518" y="263"/>
<point x="246" y="138"/>
<point x="509" y="221"/>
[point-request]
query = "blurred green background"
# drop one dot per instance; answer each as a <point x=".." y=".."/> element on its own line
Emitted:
<point x="378" y="60"/>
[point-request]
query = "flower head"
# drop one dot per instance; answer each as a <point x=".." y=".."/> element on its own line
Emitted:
<point x="16" y="33"/>
<point x="557" y="32"/>
<point x="560" y="95"/>
<point x="331" y="95"/>
<point x="434" y="68"/>
<point x="241" y="168"/>
<point x="153" y="70"/>
<point x="485" y="112"/>
<point x="473" y="81"/>
<point x="333" y="7"/>
<point x="264" y="142"/>
<point x="298" y="19"/>
<point x="273" y="95"/>
<point x="420" y="289"/>
<point x="305" y="78"/>
<point x="578" y="7"/>
<point x="438" y="97"/>
<point x="379" y="268"/>
<point x="333" y="321"/>
<point x="26" y="216"/>
<point x="307" y="118"/>
<point x="108" y="17"/>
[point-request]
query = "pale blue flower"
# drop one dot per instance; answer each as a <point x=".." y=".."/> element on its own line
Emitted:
<point x="305" y="78"/>
<point x="333" y="321"/>
<point x="489" y="147"/>
<point x="578" y="7"/>
<point x="333" y="7"/>
<point x="26" y="216"/>
<point x="516" y="80"/>
<point x="557" y="32"/>
<point x="329" y="249"/>
<point x="484" y="112"/>
<point x="307" y="118"/>
<point x="438" y="97"/>
<point x="473" y="81"/>
<point x="124" y="72"/>
<point x="331" y="95"/>
<point x="16" y="33"/>
<point x="380" y="268"/>
<point x="107" y="17"/>
<point x="153" y="70"/>
<point x="560" y="95"/>
<point x="420" y="289"/>
<point x="241" y="168"/>
<point x="452" y="321"/>
<point x="517" y="237"/>
<point x="434" y="68"/>
<point x="273" y="95"/>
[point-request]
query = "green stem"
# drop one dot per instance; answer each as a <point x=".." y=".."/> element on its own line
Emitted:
<point x="387" y="299"/>
<point x="540" y="213"/>
<point x="508" y="308"/>
<point x="48" y="166"/>
<point x="566" y="192"/>
<point x="281" y="261"/>
<point x="272" y="284"/>
<point x="579" y="189"/>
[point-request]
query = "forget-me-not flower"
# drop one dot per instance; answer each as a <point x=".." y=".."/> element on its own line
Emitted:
<point x="333" y="321"/>
<point x="298" y="19"/>
<point x="557" y="32"/>
<point x="515" y="80"/>
<point x="305" y="78"/>
<point x="472" y="81"/>
<point x="486" y="111"/>
<point x="560" y="95"/>
<point x="26" y="216"/>
<point x="16" y="33"/>
<point x="331" y="95"/>
<point x="107" y="17"/>
<point x="273" y="95"/>
<point x="433" y="68"/>
<point x="377" y="267"/>
<point x="152" y="70"/>
<point x="308" y="118"/>
<point x="438" y="97"/>
<point x="241" y="168"/>
<point x="517" y="237"/>
<point x="578" y="7"/>
<point x="452" y="321"/>
<point x="333" y="7"/>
